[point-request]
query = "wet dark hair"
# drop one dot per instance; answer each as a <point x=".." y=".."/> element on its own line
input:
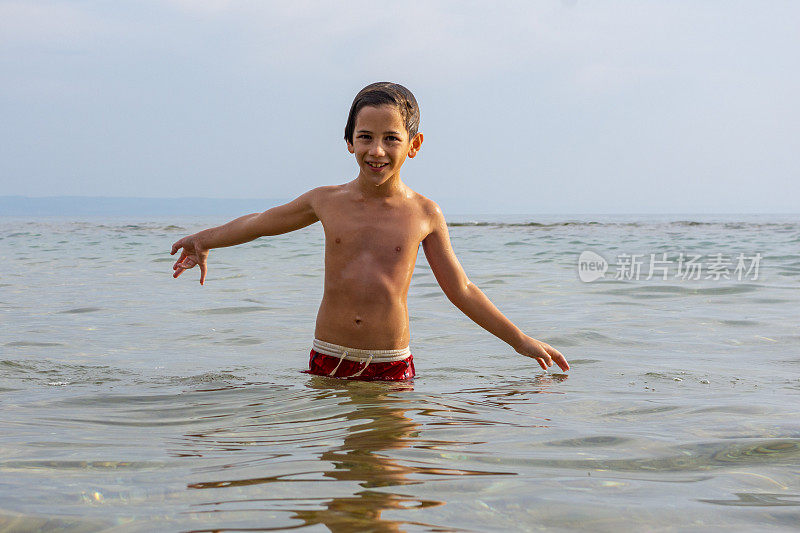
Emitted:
<point x="384" y="93"/>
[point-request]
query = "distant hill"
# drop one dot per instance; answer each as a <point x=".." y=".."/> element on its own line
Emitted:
<point x="105" y="206"/>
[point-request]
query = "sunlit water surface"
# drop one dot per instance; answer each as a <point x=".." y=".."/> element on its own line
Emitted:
<point x="135" y="402"/>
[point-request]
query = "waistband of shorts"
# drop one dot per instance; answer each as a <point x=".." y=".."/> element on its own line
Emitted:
<point x="360" y="355"/>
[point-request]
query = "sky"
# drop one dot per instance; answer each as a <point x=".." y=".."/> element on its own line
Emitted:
<point x="569" y="106"/>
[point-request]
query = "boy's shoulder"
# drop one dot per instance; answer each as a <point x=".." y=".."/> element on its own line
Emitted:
<point x="324" y="195"/>
<point x="428" y="213"/>
<point x="429" y="207"/>
<point x="327" y="190"/>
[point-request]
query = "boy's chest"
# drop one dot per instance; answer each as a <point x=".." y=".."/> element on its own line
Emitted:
<point x="382" y="232"/>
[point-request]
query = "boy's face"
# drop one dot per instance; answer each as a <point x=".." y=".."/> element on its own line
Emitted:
<point x="381" y="143"/>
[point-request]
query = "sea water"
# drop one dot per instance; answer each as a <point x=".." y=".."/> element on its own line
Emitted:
<point x="131" y="401"/>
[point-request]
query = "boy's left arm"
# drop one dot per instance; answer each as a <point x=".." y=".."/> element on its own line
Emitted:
<point x="472" y="302"/>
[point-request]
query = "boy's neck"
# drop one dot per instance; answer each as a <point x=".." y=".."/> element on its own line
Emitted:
<point x="394" y="186"/>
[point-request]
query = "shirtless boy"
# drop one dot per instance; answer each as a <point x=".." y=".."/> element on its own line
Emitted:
<point x="373" y="228"/>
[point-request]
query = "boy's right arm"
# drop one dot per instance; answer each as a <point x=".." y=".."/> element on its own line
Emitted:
<point x="297" y="214"/>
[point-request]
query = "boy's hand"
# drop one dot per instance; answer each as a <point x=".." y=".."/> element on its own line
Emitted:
<point x="544" y="354"/>
<point x="193" y="254"/>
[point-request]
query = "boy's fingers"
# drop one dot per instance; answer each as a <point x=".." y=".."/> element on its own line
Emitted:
<point x="180" y="260"/>
<point x="541" y="363"/>
<point x="176" y="246"/>
<point x="183" y="264"/>
<point x="546" y="356"/>
<point x="202" y="272"/>
<point x="560" y="360"/>
<point x="186" y="264"/>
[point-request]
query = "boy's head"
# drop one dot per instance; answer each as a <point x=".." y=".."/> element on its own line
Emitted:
<point x="384" y="93"/>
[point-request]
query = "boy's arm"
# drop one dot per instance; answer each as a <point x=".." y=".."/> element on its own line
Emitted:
<point x="297" y="214"/>
<point x="472" y="302"/>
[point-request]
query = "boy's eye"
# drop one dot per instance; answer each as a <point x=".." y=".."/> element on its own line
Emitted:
<point x="363" y="136"/>
<point x="393" y="138"/>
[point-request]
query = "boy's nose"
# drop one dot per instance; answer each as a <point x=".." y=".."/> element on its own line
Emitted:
<point x="377" y="150"/>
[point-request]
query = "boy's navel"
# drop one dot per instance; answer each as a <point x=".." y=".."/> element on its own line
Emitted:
<point x="357" y="321"/>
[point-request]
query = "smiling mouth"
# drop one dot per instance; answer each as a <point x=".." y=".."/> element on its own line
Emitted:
<point x="376" y="166"/>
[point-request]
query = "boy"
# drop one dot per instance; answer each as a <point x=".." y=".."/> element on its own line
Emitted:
<point x="373" y="228"/>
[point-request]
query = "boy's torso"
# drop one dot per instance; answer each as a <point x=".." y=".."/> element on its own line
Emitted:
<point x="371" y="247"/>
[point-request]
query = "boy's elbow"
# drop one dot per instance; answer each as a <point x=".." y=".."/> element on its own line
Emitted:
<point x="459" y="294"/>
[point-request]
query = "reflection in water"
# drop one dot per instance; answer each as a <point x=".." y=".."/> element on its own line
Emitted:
<point x="373" y="419"/>
<point x="380" y="425"/>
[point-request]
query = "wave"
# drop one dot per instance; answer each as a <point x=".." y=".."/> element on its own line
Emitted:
<point x="788" y="226"/>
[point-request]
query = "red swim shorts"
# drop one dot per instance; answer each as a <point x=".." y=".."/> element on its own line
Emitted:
<point x="322" y="365"/>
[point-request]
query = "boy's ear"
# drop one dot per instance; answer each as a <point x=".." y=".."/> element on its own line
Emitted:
<point x="350" y="147"/>
<point x="416" y="144"/>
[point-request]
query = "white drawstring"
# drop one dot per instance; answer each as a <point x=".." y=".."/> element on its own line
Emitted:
<point x="369" y="359"/>
<point x="338" y="364"/>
